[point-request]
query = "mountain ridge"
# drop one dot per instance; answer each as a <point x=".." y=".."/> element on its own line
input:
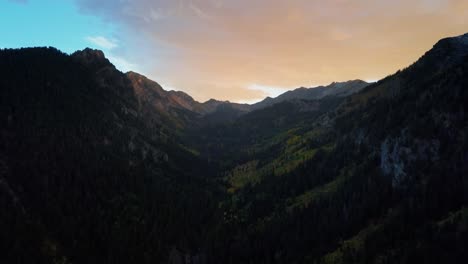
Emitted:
<point x="97" y="166"/>
<point x="340" y="89"/>
<point x="180" y="99"/>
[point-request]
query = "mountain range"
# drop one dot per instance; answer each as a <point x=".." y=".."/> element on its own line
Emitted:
<point x="169" y="101"/>
<point x="100" y="166"/>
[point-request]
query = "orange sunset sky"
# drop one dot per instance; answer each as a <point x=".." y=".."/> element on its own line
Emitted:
<point x="245" y="50"/>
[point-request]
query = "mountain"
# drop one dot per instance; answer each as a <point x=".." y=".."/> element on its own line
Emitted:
<point x="98" y="166"/>
<point x="150" y="91"/>
<point x="85" y="176"/>
<point x="257" y="129"/>
<point x="179" y="103"/>
<point x="151" y="95"/>
<point x="214" y="111"/>
<point x="379" y="178"/>
<point x="339" y="89"/>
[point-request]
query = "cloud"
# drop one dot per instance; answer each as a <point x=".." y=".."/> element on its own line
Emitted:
<point x="122" y="64"/>
<point x="112" y="53"/>
<point x="102" y="42"/>
<point x="218" y="48"/>
<point x="268" y="90"/>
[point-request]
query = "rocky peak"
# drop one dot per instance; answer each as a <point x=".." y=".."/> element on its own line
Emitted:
<point x="92" y="57"/>
<point x="145" y="88"/>
<point x="182" y="96"/>
<point x="445" y="52"/>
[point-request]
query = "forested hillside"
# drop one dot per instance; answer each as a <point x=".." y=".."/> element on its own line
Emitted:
<point x="85" y="176"/>
<point x="97" y="166"/>
<point x="380" y="178"/>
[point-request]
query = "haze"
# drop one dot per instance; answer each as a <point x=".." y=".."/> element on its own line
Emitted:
<point x="240" y="50"/>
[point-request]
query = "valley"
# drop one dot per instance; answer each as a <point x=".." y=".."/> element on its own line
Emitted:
<point x="100" y="166"/>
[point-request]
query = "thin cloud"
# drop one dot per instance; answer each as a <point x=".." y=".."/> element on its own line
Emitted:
<point x="102" y="42"/>
<point x="122" y="64"/>
<point x="276" y="43"/>
<point x="268" y="90"/>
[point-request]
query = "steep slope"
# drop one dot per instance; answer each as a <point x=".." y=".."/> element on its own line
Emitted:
<point x="151" y="91"/>
<point x="161" y="107"/>
<point x="258" y="131"/>
<point x="97" y="166"/>
<point x="176" y="103"/>
<point x="83" y="176"/>
<point x="180" y="104"/>
<point x="379" y="179"/>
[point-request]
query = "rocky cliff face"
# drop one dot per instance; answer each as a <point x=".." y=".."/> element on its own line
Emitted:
<point x="393" y="153"/>
<point x="97" y="166"/>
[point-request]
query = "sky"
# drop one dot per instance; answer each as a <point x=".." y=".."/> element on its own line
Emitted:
<point x="239" y="50"/>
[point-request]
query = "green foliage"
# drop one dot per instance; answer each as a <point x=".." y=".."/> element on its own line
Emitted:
<point x="303" y="200"/>
<point x="90" y="174"/>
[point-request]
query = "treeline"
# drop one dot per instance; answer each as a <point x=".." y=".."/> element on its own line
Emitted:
<point x="82" y="179"/>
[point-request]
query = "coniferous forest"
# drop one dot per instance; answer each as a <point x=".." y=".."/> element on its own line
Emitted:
<point x="100" y="166"/>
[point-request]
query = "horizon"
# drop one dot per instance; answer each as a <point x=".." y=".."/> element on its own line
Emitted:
<point x="234" y="131"/>
<point x="202" y="48"/>
<point x="205" y="101"/>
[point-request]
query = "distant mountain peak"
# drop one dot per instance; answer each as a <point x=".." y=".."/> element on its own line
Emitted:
<point x="92" y="57"/>
<point x="182" y="95"/>
<point x="90" y="53"/>
<point x="348" y="82"/>
<point x="140" y="78"/>
<point x="94" y="52"/>
<point x="339" y="89"/>
<point x="212" y="101"/>
<point x="130" y="73"/>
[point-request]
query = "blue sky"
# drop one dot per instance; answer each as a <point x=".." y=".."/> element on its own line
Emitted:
<point x="48" y="22"/>
<point x="239" y="50"/>
<point x="57" y="23"/>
